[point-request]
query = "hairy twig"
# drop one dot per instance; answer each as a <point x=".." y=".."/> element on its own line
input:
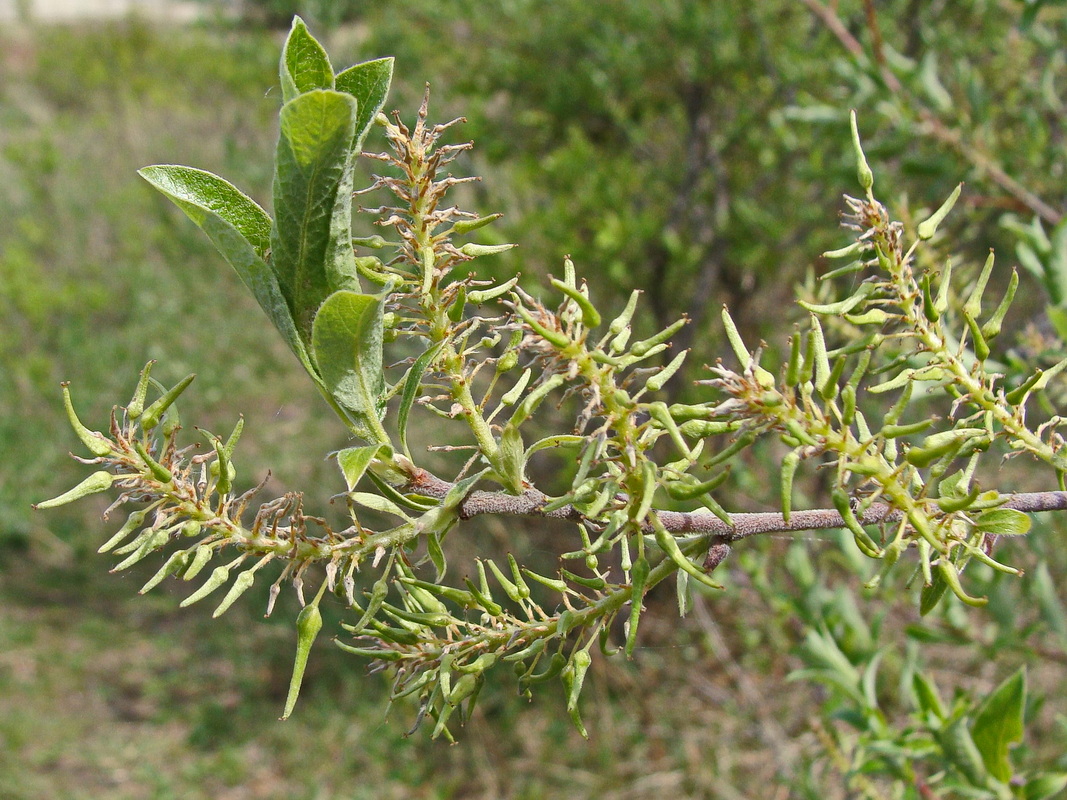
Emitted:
<point x="744" y="524"/>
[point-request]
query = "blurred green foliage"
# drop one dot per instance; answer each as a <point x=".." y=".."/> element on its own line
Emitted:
<point x="691" y="149"/>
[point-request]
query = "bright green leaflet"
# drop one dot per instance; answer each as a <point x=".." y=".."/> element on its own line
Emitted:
<point x="347" y="343"/>
<point x="369" y="84"/>
<point x="312" y="201"/>
<point x="240" y="230"/>
<point x="304" y="64"/>
<point x="999" y="723"/>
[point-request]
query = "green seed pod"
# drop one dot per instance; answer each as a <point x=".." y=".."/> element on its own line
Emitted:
<point x="507" y="362"/>
<point x="646" y="347"/>
<point x="622" y="322"/>
<point x="862" y="364"/>
<point x="898" y="407"/>
<point x="848" y="404"/>
<point x="555" y="667"/>
<point x="485" y="602"/>
<point x="929" y="307"/>
<point x="737" y="344"/>
<point x="991" y="328"/>
<point x="638" y="579"/>
<point x="308" y="625"/>
<point x="176" y="563"/>
<point x="792" y="371"/>
<point x="573" y="677"/>
<point x="509" y="587"/>
<point x="472" y="250"/>
<point x="941" y="303"/>
<point x="136" y="406"/>
<point x="155" y="469"/>
<point x="99" y="481"/>
<point x="821" y="360"/>
<point x="928" y="228"/>
<point x="422" y="598"/>
<point x="469" y="225"/>
<point x="458" y="596"/>
<point x="516" y="574"/>
<point x="370" y="268"/>
<point x="556" y="338"/>
<point x="1019" y="393"/>
<point x="979" y="344"/>
<point x="366" y="652"/>
<point x="973" y="306"/>
<point x="669" y="546"/>
<point x="482" y="663"/>
<point x="95" y="442"/>
<point x="951" y="575"/>
<point x="828" y="391"/>
<point x="533" y="649"/>
<point x="201" y="557"/>
<point x="789" y="469"/>
<point x="619" y="342"/>
<point x="152" y="542"/>
<point x="842" y="502"/>
<point x="154" y="413"/>
<point x="551" y="583"/>
<point x="739" y="444"/>
<point x="137" y="541"/>
<point x="711" y="505"/>
<point x="656" y="382"/>
<point x="171" y="422"/>
<point x="511" y="397"/>
<point x="590" y="316"/>
<point x="218" y="577"/>
<point x="484" y="295"/>
<point x="863" y="171"/>
<point x="688" y="490"/>
<point x="895" y="431"/>
<point x="847" y="251"/>
<point x="374" y="242"/>
<point x="596" y="584"/>
<point x="133" y="522"/>
<point x="241" y="584"/>
<point x="467" y="686"/>
<point x="455" y="311"/>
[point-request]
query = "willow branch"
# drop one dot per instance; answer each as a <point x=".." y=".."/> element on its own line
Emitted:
<point x="744" y="525"/>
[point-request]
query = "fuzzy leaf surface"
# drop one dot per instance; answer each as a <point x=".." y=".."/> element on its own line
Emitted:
<point x="304" y="64"/>
<point x="240" y="230"/>
<point x="312" y="240"/>
<point x="369" y="83"/>
<point x="347" y="343"/>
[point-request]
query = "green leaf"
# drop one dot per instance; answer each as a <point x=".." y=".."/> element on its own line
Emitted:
<point x="1043" y="786"/>
<point x="927" y="696"/>
<point x="304" y="66"/>
<point x="1057" y="315"/>
<point x="347" y="343"/>
<point x="240" y="230"/>
<point x="199" y="193"/>
<point x="369" y="84"/>
<point x="1003" y="522"/>
<point x="412" y="381"/>
<point x="999" y="723"/>
<point x="312" y="237"/>
<point x="354" y="461"/>
<point x="1056" y="271"/>
<point x="959" y="747"/>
